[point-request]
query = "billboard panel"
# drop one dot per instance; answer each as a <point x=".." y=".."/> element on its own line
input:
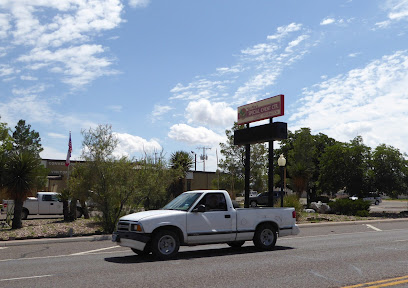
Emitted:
<point x="264" y="109"/>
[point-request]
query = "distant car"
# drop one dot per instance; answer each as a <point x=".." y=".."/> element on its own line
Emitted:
<point x="262" y="198"/>
<point x="376" y="200"/>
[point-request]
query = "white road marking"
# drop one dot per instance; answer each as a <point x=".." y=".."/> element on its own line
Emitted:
<point x="3" y="248"/>
<point x="56" y="256"/>
<point x="372" y="227"/>
<point x="22" y="278"/>
<point x="96" y="250"/>
<point x="401" y="240"/>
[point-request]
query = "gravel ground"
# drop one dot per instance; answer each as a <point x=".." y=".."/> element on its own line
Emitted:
<point x="51" y="228"/>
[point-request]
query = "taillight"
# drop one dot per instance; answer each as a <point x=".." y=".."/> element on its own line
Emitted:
<point x="294" y="214"/>
<point x="5" y="205"/>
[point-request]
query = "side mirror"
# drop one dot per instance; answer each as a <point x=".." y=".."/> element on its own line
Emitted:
<point x="199" y="208"/>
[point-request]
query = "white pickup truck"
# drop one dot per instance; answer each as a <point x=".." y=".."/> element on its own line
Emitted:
<point x="46" y="203"/>
<point x="203" y="217"/>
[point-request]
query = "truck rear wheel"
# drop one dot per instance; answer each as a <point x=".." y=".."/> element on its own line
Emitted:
<point x="165" y="244"/>
<point x="78" y="212"/>
<point x="253" y="204"/>
<point x="24" y="214"/>
<point x="265" y="237"/>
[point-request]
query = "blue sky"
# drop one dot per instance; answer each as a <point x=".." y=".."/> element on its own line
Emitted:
<point x="169" y="75"/>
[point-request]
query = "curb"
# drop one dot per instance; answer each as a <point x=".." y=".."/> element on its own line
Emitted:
<point x="55" y="240"/>
<point x="358" y="222"/>
<point x="109" y="237"/>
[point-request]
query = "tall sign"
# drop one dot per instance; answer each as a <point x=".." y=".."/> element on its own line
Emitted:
<point x="264" y="109"/>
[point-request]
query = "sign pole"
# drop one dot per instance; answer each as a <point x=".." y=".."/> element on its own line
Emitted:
<point x="247" y="171"/>
<point x="270" y="171"/>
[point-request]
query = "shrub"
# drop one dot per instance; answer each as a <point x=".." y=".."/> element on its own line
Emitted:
<point x="293" y="201"/>
<point x="350" y="207"/>
<point x="362" y="213"/>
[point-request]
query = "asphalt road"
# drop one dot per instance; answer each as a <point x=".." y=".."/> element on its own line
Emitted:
<point x="320" y="256"/>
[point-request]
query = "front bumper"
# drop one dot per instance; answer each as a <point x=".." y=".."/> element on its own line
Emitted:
<point x="131" y="239"/>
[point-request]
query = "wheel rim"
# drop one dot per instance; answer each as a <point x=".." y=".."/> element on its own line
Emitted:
<point x="167" y="245"/>
<point x="253" y="204"/>
<point x="267" y="237"/>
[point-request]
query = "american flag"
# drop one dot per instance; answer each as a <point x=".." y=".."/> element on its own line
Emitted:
<point x="67" y="161"/>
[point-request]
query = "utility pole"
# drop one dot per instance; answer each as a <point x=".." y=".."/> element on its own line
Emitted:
<point x="204" y="156"/>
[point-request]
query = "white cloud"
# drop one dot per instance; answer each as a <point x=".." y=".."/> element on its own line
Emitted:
<point x="370" y="102"/>
<point x="327" y="21"/>
<point x="79" y="64"/>
<point x="115" y="108"/>
<point x="28" y="78"/>
<point x="129" y="145"/>
<point x="282" y="31"/>
<point x="57" y="136"/>
<point x="54" y="35"/>
<point x="139" y="3"/>
<point x="7" y="70"/>
<point x="195" y="136"/>
<point x="159" y="111"/>
<point x="212" y="114"/>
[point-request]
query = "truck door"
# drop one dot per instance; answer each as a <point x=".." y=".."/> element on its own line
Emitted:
<point x="50" y="204"/>
<point x="213" y="223"/>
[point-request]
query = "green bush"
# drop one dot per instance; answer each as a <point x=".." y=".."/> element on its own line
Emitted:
<point x="350" y="207"/>
<point x="293" y="201"/>
<point x="362" y="213"/>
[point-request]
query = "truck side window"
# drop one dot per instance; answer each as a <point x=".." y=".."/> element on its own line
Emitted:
<point x="47" y="198"/>
<point x="214" y="202"/>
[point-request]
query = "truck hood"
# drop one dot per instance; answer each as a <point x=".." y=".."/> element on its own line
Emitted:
<point x="151" y="214"/>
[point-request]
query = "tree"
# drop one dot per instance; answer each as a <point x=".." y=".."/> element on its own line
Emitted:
<point x="23" y="173"/>
<point x="233" y="164"/>
<point x="25" y="139"/>
<point x="21" y="164"/>
<point x="389" y="169"/>
<point x="300" y="160"/>
<point x="180" y="162"/>
<point x="153" y="181"/>
<point x="109" y="180"/>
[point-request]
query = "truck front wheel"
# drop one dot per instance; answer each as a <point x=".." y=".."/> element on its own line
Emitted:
<point x="253" y="204"/>
<point x="165" y="244"/>
<point x="265" y="237"/>
<point x="143" y="253"/>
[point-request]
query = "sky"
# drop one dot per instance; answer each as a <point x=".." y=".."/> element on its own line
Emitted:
<point x="168" y="75"/>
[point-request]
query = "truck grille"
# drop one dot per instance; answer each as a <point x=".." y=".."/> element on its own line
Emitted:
<point x="124" y="226"/>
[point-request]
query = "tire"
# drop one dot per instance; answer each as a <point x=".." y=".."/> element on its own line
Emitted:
<point x="165" y="244"/>
<point x="236" y="244"/>
<point x="265" y="237"/>
<point x="377" y="202"/>
<point x="253" y="204"/>
<point x="143" y="253"/>
<point x="24" y="214"/>
<point x="78" y="212"/>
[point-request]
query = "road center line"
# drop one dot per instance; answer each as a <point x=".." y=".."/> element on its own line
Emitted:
<point x="372" y="227"/>
<point x="96" y="250"/>
<point x="22" y="278"/>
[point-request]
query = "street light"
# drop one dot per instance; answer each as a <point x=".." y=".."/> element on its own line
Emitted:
<point x="195" y="160"/>
<point x="281" y="163"/>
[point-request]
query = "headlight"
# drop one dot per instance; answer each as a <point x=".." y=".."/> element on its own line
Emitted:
<point x="136" y="228"/>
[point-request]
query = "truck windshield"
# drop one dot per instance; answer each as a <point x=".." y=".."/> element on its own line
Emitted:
<point x="182" y="202"/>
